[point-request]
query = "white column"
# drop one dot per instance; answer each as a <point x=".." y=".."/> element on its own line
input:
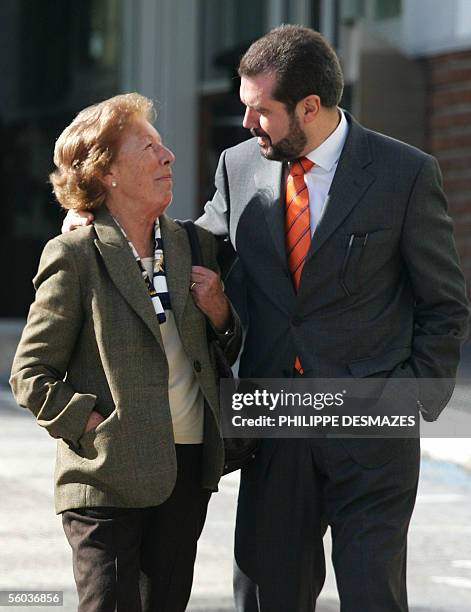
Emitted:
<point x="327" y="17"/>
<point x="160" y="61"/>
<point x="303" y="12"/>
<point x="276" y="13"/>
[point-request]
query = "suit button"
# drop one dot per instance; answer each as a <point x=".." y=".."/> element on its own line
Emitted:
<point x="297" y="321"/>
<point x="197" y="366"/>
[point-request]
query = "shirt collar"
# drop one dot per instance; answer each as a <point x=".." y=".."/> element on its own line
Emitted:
<point x="327" y="154"/>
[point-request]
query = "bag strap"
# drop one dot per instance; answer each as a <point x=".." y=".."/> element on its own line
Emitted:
<point x="197" y="260"/>
<point x="195" y="246"/>
<point x="227" y="257"/>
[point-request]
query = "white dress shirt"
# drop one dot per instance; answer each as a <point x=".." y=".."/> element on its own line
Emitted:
<point x="319" y="178"/>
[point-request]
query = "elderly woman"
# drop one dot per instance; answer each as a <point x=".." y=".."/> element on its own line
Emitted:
<point x="115" y="363"/>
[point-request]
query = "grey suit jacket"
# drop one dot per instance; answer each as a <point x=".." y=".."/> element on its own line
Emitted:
<point x="381" y="291"/>
<point x="93" y="342"/>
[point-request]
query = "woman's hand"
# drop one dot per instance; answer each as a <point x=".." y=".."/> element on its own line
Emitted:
<point x="94" y="420"/>
<point x="208" y="294"/>
<point x="75" y="219"/>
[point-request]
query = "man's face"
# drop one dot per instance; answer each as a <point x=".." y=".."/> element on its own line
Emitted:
<point x="280" y="135"/>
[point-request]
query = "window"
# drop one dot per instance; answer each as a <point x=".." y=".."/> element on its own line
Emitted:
<point x="227" y="28"/>
<point x="61" y="57"/>
<point x="386" y="9"/>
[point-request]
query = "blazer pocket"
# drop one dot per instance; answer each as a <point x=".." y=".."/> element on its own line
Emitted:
<point x="395" y="391"/>
<point x="90" y="441"/>
<point x="358" y="247"/>
<point x="384" y="363"/>
<point x="394" y="384"/>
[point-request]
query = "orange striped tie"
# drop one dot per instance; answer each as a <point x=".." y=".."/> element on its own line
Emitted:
<point x="297" y="225"/>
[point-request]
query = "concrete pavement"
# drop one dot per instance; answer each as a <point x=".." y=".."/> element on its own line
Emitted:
<point x="10" y="332"/>
<point x="454" y="450"/>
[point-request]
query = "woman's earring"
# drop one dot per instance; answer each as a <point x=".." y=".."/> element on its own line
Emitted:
<point x="114" y="184"/>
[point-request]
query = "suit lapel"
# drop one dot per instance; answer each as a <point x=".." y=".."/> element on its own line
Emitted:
<point x="268" y="180"/>
<point x="177" y="265"/>
<point x="350" y="182"/>
<point x="123" y="270"/>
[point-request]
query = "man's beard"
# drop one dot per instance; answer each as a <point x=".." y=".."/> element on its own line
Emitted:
<point x="288" y="148"/>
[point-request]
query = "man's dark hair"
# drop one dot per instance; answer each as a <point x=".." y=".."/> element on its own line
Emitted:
<point x="303" y="61"/>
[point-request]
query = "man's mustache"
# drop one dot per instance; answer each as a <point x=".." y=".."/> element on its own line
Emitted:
<point x="259" y="133"/>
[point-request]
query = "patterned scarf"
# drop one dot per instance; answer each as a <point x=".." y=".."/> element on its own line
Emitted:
<point x="157" y="288"/>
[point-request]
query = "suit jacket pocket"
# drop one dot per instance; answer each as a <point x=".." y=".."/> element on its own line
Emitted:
<point x="358" y="247"/>
<point x="397" y="393"/>
<point x="379" y="364"/>
<point x="91" y="442"/>
<point x="394" y="375"/>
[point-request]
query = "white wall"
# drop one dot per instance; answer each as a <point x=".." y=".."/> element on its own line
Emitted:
<point x="434" y="26"/>
<point x="425" y="27"/>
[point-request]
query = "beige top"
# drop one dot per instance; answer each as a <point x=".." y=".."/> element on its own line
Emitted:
<point x="185" y="396"/>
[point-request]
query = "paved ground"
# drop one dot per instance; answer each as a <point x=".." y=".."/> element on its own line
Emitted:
<point x="34" y="553"/>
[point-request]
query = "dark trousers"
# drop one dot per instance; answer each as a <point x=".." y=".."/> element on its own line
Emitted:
<point x="364" y="489"/>
<point x="140" y="560"/>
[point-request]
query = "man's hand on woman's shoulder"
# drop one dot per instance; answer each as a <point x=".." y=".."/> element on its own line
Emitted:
<point x="75" y="219"/>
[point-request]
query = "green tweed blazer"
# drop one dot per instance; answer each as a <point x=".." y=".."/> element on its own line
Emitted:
<point x="92" y="342"/>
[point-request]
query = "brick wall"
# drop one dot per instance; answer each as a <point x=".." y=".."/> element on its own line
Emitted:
<point x="448" y="137"/>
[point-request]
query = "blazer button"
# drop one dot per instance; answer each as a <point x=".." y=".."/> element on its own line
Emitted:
<point x="296" y="321"/>
<point x="197" y="366"/>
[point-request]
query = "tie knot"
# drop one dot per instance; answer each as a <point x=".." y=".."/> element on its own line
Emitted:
<point x="300" y="166"/>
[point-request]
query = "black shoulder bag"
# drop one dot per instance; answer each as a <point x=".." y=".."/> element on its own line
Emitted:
<point x="238" y="452"/>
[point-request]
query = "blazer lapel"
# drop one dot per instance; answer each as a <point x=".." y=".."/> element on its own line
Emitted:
<point x="123" y="270"/>
<point x="177" y="265"/>
<point x="268" y="180"/>
<point x="350" y="182"/>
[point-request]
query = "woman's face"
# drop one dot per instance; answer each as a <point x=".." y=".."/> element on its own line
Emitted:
<point x="142" y="171"/>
